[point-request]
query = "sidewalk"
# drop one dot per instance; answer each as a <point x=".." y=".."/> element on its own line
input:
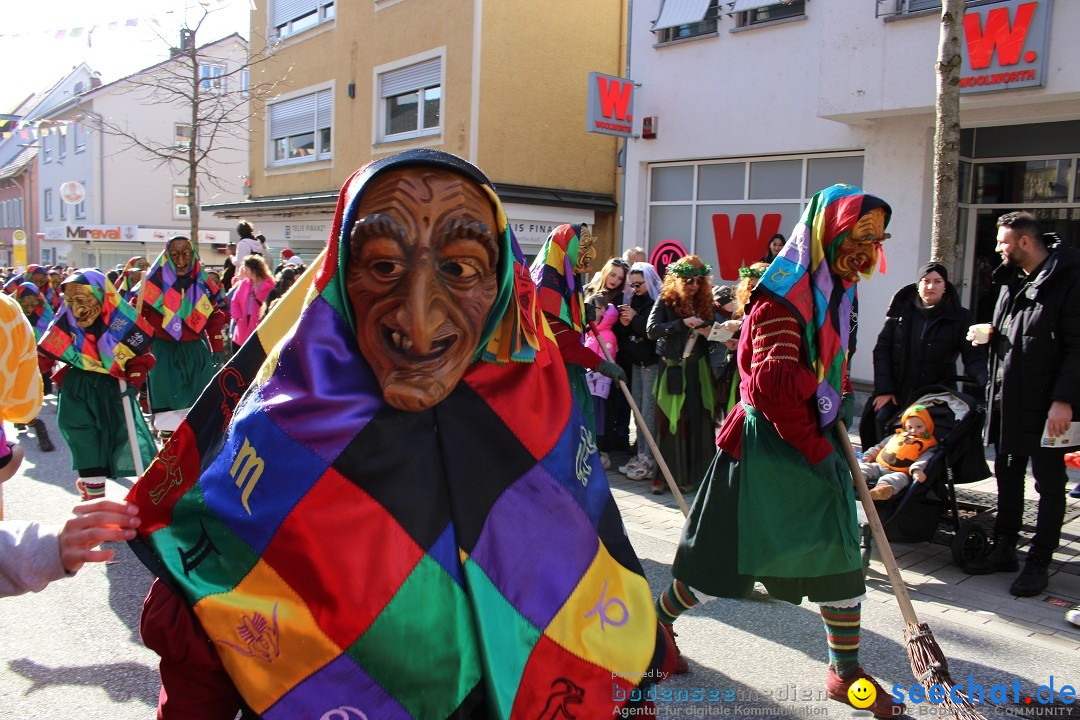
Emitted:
<point x="938" y="588"/>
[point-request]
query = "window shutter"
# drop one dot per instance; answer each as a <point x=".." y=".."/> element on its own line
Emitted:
<point x="286" y="10"/>
<point x="324" y="111"/>
<point x="293" y="117"/>
<point x="421" y="75"/>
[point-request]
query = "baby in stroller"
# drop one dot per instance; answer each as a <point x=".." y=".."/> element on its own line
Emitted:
<point x="896" y="460"/>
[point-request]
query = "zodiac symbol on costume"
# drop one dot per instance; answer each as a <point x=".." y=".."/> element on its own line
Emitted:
<point x="778" y="275"/>
<point x="585" y="451"/>
<point x="824" y="405"/>
<point x="601" y="609"/>
<point x="564" y="693"/>
<point x="168" y="464"/>
<point x="260" y="640"/>
<point x="199" y="552"/>
<point x="231" y="384"/>
<point x="344" y="712"/>
<point x="246" y="470"/>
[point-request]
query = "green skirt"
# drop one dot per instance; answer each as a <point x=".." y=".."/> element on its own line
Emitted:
<point x="182" y="371"/>
<point x="775" y="519"/>
<point x="684" y="420"/>
<point x="91" y="419"/>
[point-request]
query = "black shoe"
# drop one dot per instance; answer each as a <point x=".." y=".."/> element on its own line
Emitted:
<point x="1075" y="492"/>
<point x="45" y="444"/>
<point x="1032" y="580"/>
<point x="1001" y="559"/>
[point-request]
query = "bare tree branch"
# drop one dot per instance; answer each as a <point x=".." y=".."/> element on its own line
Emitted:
<point x="218" y="111"/>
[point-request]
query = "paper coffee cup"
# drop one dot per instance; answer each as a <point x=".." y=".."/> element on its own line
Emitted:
<point x="981" y="333"/>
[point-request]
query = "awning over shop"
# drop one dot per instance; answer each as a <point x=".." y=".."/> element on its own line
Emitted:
<point x="681" y="12"/>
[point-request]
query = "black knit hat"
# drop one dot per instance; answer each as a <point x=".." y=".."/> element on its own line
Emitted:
<point x="933" y="267"/>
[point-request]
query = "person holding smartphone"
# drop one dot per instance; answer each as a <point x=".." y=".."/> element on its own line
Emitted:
<point x="640" y="351"/>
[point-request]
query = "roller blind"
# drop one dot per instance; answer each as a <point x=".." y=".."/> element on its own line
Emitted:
<point x="286" y="10"/>
<point x="302" y="115"/>
<point x="413" y="77"/>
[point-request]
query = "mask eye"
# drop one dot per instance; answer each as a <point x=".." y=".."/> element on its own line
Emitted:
<point x="459" y="270"/>
<point x="388" y="269"/>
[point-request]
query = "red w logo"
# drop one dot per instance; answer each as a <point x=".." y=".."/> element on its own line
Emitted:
<point x="615" y="98"/>
<point x="1009" y="41"/>
<point x="746" y="245"/>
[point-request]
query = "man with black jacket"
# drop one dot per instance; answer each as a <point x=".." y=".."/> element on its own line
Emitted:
<point x="1035" y="382"/>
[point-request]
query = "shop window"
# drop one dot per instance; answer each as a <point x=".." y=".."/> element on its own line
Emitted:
<point x="672" y="183"/>
<point x="301" y="129"/>
<point x="823" y="172"/>
<point x="775" y="179"/>
<point x="1022" y="181"/>
<point x="290" y="17"/>
<point x="722" y="181"/>
<point x="410" y="100"/>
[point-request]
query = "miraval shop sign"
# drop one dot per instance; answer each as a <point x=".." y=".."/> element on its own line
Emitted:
<point x="1005" y="46"/>
<point x="92" y="232"/>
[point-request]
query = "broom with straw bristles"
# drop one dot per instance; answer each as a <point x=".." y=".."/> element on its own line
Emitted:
<point x="928" y="662"/>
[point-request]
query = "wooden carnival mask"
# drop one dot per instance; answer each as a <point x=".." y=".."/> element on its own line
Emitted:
<point x="421" y="278"/>
<point x="586" y="251"/>
<point x="858" y="253"/>
<point x="83" y="303"/>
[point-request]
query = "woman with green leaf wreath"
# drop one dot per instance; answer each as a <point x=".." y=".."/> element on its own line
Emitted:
<point x="684" y="387"/>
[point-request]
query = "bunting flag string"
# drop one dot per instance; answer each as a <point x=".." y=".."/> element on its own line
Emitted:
<point x="40" y="128"/>
<point x="81" y="32"/>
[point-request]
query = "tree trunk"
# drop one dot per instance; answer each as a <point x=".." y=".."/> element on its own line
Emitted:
<point x="947" y="136"/>
<point x="193" y="165"/>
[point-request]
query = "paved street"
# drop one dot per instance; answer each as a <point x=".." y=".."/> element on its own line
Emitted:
<point x="73" y="651"/>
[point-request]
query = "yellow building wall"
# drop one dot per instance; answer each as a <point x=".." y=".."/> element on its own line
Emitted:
<point x="535" y="58"/>
<point x="533" y="92"/>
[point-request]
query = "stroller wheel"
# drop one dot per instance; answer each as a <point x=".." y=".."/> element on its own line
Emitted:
<point x="970" y="543"/>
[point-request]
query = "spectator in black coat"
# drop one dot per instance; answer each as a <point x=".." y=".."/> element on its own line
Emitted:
<point x="925" y="331"/>
<point x="1035" y="384"/>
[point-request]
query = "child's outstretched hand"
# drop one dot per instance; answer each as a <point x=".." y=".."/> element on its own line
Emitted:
<point x="95" y="522"/>
<point x="918" y="475"/>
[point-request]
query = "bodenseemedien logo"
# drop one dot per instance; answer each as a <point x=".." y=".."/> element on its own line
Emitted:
<point x="1048" y="699"/>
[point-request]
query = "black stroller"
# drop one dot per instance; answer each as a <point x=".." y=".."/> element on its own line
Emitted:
<point x="928" y="509"/>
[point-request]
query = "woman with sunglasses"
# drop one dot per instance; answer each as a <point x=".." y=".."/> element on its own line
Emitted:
<point x="684" y="388"/>
<point x="640" y="353"/>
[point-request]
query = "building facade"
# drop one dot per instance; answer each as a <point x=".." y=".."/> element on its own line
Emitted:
<point x="501" y="84"/>
<point x="108" y="191"/>
<point x="754" y="106"/>
<point x="22" y="133"/>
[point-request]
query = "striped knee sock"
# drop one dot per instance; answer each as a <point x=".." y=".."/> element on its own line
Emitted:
<point x="674" y="601"/>
<point x="843" y="627"/>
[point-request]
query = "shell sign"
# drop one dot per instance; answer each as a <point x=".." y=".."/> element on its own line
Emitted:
<point x="72" y="192"/>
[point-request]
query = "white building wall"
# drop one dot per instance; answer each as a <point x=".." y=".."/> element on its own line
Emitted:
<point x="839" y="79"/>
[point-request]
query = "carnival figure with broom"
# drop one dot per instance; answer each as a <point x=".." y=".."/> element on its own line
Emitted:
<point x="779" y="456"/>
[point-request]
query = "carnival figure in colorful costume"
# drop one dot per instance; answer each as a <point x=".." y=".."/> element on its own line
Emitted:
<point x="39" y="275"/>
<point x="179" y="302"/>
<point x="39" y="315"/>
<point x="359" y="509"/>
<point x="780" y="507"/>
<point x="130" y="277"/>
<point x="101" y="339"/>
<point x="568" y="252"/>
<point x="684" y="387"/>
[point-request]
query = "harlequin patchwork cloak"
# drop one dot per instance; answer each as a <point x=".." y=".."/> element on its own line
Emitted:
<point x="346" y="556"/>
<point x="800" y="278"/>
<point x="561" y="295"/>
<point x="186" y="300"/>
<point x="49" y="292"/>
<point x="109" y="342"/>
<point x="42" y="314"/>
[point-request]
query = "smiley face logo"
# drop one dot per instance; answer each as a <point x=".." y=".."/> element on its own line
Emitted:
<point x="862" y="694"/>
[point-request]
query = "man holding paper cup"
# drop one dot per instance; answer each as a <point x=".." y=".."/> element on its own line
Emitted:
<point x="1035" y="384"/>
